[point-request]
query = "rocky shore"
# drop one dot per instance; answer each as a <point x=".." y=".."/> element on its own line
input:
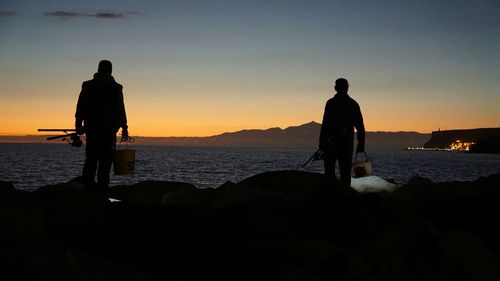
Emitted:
<point x="284" y="225"/>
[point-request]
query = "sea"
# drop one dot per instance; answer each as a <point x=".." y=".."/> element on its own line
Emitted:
<point x="32" y="165"/>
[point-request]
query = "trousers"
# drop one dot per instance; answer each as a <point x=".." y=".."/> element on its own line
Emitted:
<point x="98" y="159"/>
<point x="344" y="160"/>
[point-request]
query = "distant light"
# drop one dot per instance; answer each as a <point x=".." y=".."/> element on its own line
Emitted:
<point x="428" y="149"/>
<point x="458" y="145"/>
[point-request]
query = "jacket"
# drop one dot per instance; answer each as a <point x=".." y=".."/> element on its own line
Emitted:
<point x="342" y="115"/>
<point x="100" y="105"/>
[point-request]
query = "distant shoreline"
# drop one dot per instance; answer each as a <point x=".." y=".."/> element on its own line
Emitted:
<point x="304" y="136"/>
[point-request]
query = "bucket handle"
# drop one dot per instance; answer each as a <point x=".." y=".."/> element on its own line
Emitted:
<point x="364" y="152"/>
<point x="127" y="142"/>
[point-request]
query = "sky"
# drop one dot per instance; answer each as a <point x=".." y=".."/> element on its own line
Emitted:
<point x="199" y="68"/>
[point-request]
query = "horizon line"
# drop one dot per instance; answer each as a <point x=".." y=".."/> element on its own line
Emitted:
<point x="226" y="132"/>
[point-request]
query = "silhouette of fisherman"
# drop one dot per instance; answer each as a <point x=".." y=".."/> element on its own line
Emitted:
<point x="100" y="113"/>
<point x="342" y="115"/>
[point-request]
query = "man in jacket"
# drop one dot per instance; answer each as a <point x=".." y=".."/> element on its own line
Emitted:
<point x="100" y="113"/>
<point x="342" y="115"/>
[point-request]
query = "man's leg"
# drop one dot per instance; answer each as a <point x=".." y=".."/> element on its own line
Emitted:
<point x="105" y="160"/>
<point x="345" y="165"/>
<point x="90" y="165"/>
<point x="329" y="164"/>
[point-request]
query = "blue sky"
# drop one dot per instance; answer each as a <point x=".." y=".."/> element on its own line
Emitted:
<point x="203" y="67"/>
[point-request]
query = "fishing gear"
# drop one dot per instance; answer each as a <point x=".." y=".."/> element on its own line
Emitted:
<point x="319" y="154"/>
<point x="72" y="139"/>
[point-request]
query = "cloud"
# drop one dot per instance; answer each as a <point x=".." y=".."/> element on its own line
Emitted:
<point x="98" y="15"/>
<point x="108" y="15"/>
<point x="64" y="14"/>
<point x="5" y="14"/>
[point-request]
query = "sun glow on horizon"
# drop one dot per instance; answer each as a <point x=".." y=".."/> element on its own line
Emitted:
<point x="178" y="117"/>
<point x="214" y="113"/>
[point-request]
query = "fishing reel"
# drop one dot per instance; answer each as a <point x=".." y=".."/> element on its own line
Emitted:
<point x="72" y="139"/>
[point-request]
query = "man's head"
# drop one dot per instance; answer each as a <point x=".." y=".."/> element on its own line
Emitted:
<point x="341" y="85"/>
<point x="105" y="67"/>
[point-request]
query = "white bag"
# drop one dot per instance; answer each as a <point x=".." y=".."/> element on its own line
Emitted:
<point x="362" y="168"/>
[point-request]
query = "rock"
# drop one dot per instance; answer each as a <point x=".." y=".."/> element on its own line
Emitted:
<point x="231" y="194"/>
<point x="276" y="187"/>
<point x="6" y="188"/>
<point x="488" y="144"/>
<point x="195" y="198"/>
<point x="70" y="186"/>
<point x="284" y="225"/>
<point x="296" y="185"/>
<point x="148" y="192"/>
<point x="372" y="184"/>
<point x="465" y="256"/>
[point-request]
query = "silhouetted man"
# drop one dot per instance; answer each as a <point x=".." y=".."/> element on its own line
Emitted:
<point x="100" y="113"/>
<point x="342" y="115"/>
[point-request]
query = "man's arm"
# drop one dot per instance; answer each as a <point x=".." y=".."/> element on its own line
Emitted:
<point x="81" y="111"/>
<point x="122" y="116"/>
<point x="360" y="129"/>
<point x="323" y="134"/>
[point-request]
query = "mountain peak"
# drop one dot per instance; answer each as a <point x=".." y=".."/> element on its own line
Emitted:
<point x="304" y="129"/>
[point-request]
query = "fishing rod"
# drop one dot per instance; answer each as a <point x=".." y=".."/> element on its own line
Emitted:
<point x="70" y="136"/>
<point x="319" y="154"/>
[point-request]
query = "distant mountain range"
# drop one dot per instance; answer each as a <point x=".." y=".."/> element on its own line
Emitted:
<point x="306" y="136"/>
<point x="303" y="136"/>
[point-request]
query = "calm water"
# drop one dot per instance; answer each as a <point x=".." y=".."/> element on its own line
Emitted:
<point x="30" y="166"/>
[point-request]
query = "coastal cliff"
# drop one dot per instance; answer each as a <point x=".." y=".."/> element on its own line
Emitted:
<point x="488" y="144"/>
<point x="443" y="139"/>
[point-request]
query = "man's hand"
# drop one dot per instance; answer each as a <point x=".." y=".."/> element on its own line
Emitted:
<point x="80" y="129"/>
<point x="124" y="135"/>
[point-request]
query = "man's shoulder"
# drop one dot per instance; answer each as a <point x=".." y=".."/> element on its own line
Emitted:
<point x="87" y="83"/>
<point x="342" y="100"/>
<point x="353" y="101"/>
<point x="93" y="82"/>
<point x="331" y="100"/>
<point x="348" y="100"/>
<point x="115" y="84"/>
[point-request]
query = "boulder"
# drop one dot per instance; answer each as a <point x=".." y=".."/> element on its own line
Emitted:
<point x="231" y="194"/>
<point x="295" y="185"/>
<point x="148" y="192"/>
<point x="372" y="184"/>
<point x="284" y="225"/>
<point x="188" y="198"/>
<point x="6" y="188"/>
<point x="70" y="186"/>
